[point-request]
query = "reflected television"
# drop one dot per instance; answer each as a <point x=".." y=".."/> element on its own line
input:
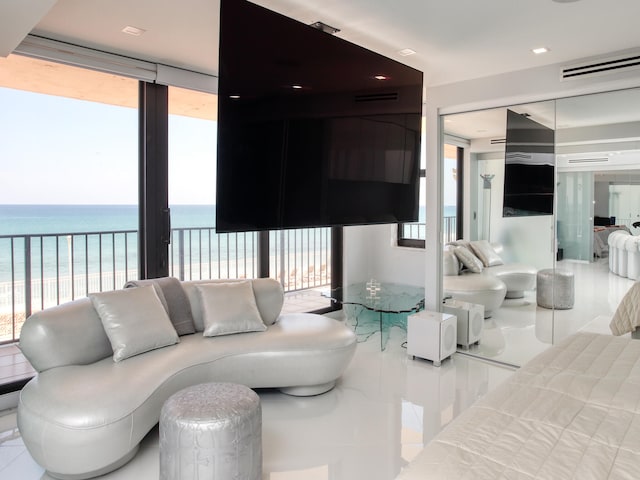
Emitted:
<point x="312" y="130"/>
<point x="529" y="171"/>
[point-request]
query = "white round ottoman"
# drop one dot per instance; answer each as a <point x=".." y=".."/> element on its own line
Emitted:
<point x="211" y="431"/>
<point x="555" y="289"/>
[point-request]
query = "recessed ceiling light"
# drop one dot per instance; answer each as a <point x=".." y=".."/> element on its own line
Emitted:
<point x="405" y="52"/>
<point x="381" y="77"/>
<point x="539" y="50"/>
<point x="135" y="31"/>
<point x="296" y="87"/>
<point x="234" y="97"/>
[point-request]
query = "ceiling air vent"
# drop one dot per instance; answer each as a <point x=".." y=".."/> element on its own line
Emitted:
<point x="376" y="97"/>
<point x="498" y="141"/>
<point x="601" y="67"/>
<point x="588" y="160"/>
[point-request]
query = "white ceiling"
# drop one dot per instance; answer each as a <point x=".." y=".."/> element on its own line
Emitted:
<point x="454" y="39"/>
<point x="600" y="109"/>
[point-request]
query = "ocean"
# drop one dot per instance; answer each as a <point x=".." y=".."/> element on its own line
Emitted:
<point x="64" y="219"/>
<point x="44" y="243"/>
<point x="50" y="254"/>
<point x="54" y="253"/>
<point x="64" y="240"/>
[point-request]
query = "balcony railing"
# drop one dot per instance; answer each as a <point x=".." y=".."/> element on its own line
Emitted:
<point x="40" y="271"/>
<point x="417" y="230"/>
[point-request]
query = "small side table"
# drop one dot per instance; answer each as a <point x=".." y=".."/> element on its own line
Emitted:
<point x="378" y="306"/>
<point x="431" y="335"/>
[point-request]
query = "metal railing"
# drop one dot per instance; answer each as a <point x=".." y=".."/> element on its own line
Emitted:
<point x="42" y="270"/>
<point x="417" y="230"/>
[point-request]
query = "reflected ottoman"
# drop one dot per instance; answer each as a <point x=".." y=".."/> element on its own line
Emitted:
<point x="555" y="289"/>
<point x="212" y="431"/>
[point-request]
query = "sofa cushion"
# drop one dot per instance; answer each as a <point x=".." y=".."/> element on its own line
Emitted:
<point x="134" y="320"/>
<point x="468" y="259"/>
<point x="229" y="308"/>
<point x="267" y="291"/>
<point x="485" y="252"/>
<point x="450" y="263"/>
<point x="174" y="299"/>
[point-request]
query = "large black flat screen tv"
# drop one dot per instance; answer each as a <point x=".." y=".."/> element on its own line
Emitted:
<point x="312" y="130"/>
<point x="529" y="175"/>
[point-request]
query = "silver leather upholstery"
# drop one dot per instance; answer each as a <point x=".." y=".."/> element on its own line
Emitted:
<point x="212" y="431"/>
<point x="84" y="415"/>
<point x="69" y="334"/>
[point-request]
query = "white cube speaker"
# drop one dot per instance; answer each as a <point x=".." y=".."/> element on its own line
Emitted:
<point x="431" y="335"/>
<point x="470" y="320"/>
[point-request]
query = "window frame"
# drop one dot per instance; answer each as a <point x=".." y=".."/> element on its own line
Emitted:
<point x="401" y="239"/>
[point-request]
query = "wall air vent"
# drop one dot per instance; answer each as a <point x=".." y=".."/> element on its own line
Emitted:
<point x="588" y="160"/>
<point x="601" y="67"/>
<point x="376" y="97"/>
<point x="498" y="141"/>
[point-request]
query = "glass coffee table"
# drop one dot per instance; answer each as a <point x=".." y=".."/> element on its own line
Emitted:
<point x="373" y="307"/>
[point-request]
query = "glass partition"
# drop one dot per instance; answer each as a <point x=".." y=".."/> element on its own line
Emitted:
<point x="575" y="216"/>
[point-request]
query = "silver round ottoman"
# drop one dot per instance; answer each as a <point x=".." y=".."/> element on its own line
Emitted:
<point x="555" y="289"/>
<point x="211" y="431"/>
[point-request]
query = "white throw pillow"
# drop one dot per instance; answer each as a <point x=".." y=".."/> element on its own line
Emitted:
<point x="229" y="308"/>
<point x="135" y="321"/>
<point x="485" y="252"/>
<point x="468" y="259"/>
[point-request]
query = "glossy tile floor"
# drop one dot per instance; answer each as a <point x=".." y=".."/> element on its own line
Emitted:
<point x="520" y="329"/>
<point x="385" y="408"/>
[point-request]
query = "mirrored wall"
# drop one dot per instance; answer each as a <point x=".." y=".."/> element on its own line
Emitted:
<point x="550" y="227"/>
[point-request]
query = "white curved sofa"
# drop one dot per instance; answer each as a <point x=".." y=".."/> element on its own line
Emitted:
<point x="493" y="280"/>
<point x="84" y="414"/>
<point x="624" y="254"/>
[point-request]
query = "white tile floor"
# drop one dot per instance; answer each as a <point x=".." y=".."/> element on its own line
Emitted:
<point x="386" y="406"/>
<point x="520" y="329"/>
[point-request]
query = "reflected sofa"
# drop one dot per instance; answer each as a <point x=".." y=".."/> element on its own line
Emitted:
<point x="96" y="396"/>
<point x="475" y="272"/>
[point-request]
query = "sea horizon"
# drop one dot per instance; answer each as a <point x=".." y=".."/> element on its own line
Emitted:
<point x="35" y="219"/>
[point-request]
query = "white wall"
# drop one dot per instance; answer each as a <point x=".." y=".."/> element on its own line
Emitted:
<point x="625" y="205"/>
<point x="369" y="252"/>
<point x="500" y="90"/>
<point x="601" y="199"/>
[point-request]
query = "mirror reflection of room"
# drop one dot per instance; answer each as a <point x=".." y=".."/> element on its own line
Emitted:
<point x="597" y="194"/>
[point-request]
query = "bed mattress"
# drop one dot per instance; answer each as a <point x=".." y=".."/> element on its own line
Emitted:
<point x="573" y="412"/>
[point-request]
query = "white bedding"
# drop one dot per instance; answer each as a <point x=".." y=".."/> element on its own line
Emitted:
<point x="627" y="316"/>
<point x="573" y="412"/>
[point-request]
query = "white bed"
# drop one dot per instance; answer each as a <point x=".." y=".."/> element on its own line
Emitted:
<point x="573" y="412"/>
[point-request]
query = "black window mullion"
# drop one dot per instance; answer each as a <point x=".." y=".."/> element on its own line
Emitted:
<point x="459" y="192"/>
<point x="154" y="222"/>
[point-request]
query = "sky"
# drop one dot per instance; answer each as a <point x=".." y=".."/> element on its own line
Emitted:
<point x="57" y="150"/>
